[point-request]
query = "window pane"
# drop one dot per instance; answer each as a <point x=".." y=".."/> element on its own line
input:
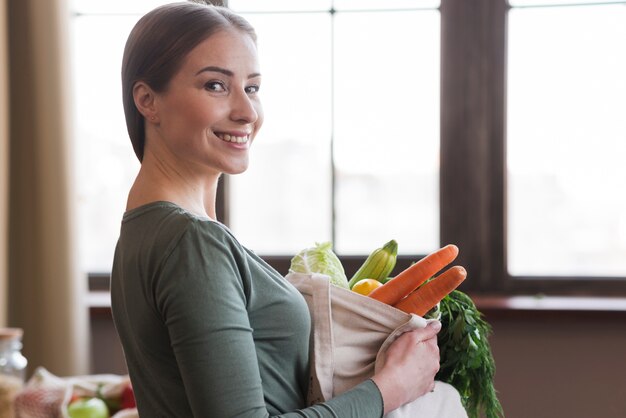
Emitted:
<point x="531" y="3"/>
<point x="566" y="141"/>
<point x="104" y="160"/>
<point x="387" y="130"/>
<point x="282" y="203"/>
<point x="115" y="6"/>
<point x="279" y="5"/>
<point x="385" y="5"/>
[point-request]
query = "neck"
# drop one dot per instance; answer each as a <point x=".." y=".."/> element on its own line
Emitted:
<point x="159" y="181"/>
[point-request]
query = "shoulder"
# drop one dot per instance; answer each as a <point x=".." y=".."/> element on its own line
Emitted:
<point x="162" y="235"/>
<point x="184" y="254"/>
<point x="165" y="223"/>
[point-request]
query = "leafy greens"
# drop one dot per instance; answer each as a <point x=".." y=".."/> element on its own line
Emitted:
<point x="466" y="359"/>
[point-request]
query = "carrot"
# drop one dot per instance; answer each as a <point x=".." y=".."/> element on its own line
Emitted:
<point x="408" y="280"/>
<point x="430" y="294"/>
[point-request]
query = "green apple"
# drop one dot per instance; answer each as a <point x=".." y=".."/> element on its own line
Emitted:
<point x="88" y="408"/>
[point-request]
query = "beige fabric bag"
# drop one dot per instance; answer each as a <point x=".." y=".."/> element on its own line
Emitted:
<point x="351" y="334"/>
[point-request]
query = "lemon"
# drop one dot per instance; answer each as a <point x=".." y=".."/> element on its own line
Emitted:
<point x="366" y="286"/>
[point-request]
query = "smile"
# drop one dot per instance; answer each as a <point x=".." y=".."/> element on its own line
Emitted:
<point x="233" y="138"/>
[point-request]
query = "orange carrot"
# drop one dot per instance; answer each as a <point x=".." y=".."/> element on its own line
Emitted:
<point x="430" y="294"/>
<point x="411" y="278"/>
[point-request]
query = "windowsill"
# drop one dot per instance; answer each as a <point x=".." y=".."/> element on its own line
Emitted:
<point x="551" y="303"/>
<point x="101" y="300"/>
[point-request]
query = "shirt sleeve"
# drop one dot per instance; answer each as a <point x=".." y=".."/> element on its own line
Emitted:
<point x="203" y="305"/>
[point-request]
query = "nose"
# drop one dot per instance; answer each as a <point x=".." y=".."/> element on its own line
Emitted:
<point x="244" y="109"/>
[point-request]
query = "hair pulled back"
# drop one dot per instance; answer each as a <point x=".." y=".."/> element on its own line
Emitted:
<point x="157" y="46"/>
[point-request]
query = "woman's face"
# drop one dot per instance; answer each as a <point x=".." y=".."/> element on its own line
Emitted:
<point x="210" y="111"/>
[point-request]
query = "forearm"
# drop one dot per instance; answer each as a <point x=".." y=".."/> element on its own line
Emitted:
<point x="362" y="401"/>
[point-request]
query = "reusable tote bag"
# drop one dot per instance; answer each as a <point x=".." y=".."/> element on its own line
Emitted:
<point x="350" y="336"/>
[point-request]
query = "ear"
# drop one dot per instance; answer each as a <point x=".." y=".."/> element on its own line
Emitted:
<point x="145" y="100"/>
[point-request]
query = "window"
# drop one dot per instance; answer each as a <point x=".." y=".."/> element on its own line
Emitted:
<point x="349" y="150"/>
<point x="566" y="139"/>
<point x="489" y="123"/>
<point x="471" y="123"/>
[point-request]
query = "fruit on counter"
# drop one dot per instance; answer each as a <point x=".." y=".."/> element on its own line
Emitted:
<point x="127" y="398"/>
<point x="88" y="408"/>
<point x="378" y="265"/>
<point x="365" y="286"/>
<point x="320" y="259"/>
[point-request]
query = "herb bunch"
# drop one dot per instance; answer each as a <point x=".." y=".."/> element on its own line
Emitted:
<point x="466" y="359"/>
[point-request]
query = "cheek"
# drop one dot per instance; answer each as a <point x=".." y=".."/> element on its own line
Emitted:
<point x="199" y="118"/>
<point x="193" y="109"/>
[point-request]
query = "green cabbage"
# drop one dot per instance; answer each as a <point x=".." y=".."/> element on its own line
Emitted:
<point x="320" y="259"/>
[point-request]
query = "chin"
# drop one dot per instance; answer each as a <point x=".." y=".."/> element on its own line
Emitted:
<point x="236" y="170"/>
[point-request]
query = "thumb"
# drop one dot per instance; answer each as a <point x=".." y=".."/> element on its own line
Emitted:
<point x="431" y="329"/>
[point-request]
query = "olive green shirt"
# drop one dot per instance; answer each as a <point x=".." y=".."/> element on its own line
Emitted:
<point x="209" y="329"/>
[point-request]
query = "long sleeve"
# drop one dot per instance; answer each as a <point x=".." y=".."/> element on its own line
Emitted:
<point x="209" y="329"/>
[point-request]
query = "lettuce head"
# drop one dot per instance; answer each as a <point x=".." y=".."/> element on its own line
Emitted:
<point x="320" y="259"/>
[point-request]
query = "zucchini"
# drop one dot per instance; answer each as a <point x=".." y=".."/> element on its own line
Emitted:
<point x="378" y="265"/>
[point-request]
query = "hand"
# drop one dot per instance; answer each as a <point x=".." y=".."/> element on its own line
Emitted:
<point x="410" y="367"/>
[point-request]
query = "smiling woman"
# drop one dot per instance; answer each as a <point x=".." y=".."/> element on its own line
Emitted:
<point x="200" y="316"/>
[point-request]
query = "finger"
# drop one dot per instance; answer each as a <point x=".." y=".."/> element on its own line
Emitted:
<point x="422" y="334"/>
<point x="430" y="331"/>
<point x="434" y="324"/>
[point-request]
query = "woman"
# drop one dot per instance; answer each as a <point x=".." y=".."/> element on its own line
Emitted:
<point x="209" y="329"/>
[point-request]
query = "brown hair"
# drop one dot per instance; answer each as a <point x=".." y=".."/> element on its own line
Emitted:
<point x="157" y="46"/>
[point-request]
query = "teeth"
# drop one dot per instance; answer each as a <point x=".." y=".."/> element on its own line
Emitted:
<point x="233" y="138"/>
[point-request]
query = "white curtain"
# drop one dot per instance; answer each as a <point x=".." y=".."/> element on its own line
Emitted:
<point x="44" y="287"/>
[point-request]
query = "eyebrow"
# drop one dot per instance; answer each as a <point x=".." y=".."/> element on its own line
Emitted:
<point x="224" y="71"/>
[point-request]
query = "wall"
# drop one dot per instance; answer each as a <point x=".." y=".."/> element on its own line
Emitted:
<point x="560" y="365"/>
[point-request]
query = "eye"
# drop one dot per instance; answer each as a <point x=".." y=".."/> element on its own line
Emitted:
<point x="215" y="86"/>
<point x="253" y="89"/>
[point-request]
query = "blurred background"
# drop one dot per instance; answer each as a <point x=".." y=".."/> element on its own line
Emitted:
<point x="495" y="125"/>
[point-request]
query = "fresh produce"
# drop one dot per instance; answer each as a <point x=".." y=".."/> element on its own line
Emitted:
<point x="365" y="286"/>
<point x="127" y="398"/>
<point x="412" y="277"/>
<point x="124" y="400"/>
<point x="428" y="295"/>
<point x="466" y="359"/>
<point x="378" y="265"/>
<point x="320" y="259"/>
<point x="88" y="408"/>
